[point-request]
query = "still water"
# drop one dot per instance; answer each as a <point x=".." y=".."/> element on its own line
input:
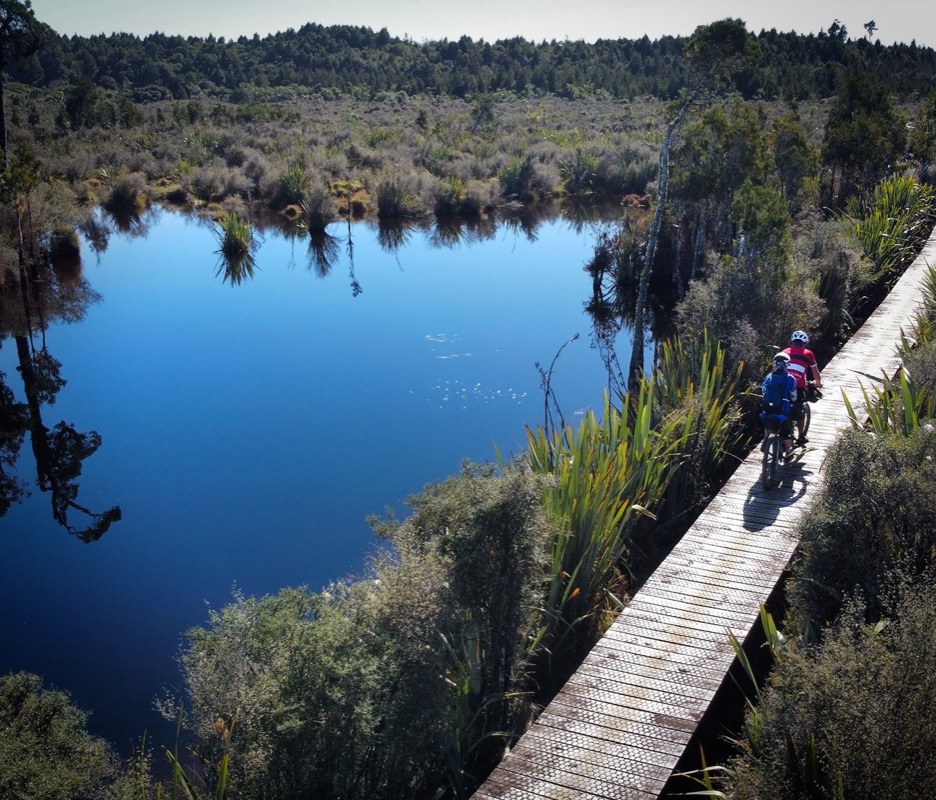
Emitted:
<point x="248" y="429"/>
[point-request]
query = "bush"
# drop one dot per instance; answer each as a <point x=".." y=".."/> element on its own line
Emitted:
<point x="390" y="685"/>
<point x="855" y="717"/>
<point x="876" y="513"/>
<point x="46" y="752"/>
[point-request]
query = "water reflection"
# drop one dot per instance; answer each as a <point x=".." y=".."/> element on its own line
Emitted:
<point x="396" y="234"/>
<point x="40" y="296"/>
<point x="323" y="252"/>
<point x="236" y="268"/>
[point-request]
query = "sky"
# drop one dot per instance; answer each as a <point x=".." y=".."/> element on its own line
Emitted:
<point x="534" y="20"/>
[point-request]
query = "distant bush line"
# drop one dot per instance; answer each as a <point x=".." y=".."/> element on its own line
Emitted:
<point x="353" y="61"/>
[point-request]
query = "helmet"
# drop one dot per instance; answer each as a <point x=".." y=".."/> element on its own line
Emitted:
<point x="799" y="336"/>
<point x="781" y="360"/>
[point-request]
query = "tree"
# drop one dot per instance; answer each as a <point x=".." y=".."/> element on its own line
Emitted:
<point x="923" y="139"/>
<point x="713" y="54"/>
<point x="21" y="35"/>
<point x="864" y="137"/>
<point x="46" y="753"/>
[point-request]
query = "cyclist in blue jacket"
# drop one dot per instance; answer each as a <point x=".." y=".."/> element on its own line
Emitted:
<point x="779" y="394"/>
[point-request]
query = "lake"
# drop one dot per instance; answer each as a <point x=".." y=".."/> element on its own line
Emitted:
<point x="249" y="428"/>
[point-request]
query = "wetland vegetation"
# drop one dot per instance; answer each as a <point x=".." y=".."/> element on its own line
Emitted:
<point x="780" y="183"/>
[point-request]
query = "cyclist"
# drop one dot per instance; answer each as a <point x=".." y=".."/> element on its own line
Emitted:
<point x="804" y="370"/>
<point x="779" y="394"/>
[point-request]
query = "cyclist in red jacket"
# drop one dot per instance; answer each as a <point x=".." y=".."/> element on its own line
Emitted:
<point x="804" y="370"/>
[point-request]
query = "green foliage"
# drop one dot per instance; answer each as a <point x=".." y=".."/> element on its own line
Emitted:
<point x="294" y="183"/>
<point x="695" y="388"/>
<point x="580" y="173"/>
<point x="797" y="161"/>
<point x="897" y="406"/>
<point x="828" y="251"/>
<point x="853" y="717"/>
<point x="922" y="139"/>
<point x="234" y="234"/>
<point x="763" y="227"/>
<point x="750" y="306"/>
<point x="46" y="752"/>
<point x="875" y="516"/>
<point x="607" y="476"/>
<point x="357" y="60"/>
<point x="892" y="223"/>
<point x="865" y="136"/>
<point x="396" y="198"/>
<point x="385" y="686"/>
<point x="319" y="209"/>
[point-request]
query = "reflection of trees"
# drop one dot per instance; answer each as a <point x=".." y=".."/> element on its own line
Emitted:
<point x="615" y="273"/>
<point x="14" y="420"/>
<point x="455" y="231"/>
<point x="59" y="452"/>
<point x="31" y="295"/>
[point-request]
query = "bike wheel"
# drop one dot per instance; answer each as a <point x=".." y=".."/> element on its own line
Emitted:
<point x="807" y="414"/>
<point x="771" y="458"/>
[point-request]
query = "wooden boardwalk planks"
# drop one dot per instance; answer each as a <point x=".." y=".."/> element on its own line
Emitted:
<point x="620" y="724"/>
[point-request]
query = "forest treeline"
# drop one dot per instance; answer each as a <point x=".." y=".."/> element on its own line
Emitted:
<point x="330" y="61"/>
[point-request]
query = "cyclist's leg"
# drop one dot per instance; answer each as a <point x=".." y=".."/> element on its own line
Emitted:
<point x="797" y="413"/>
<point x="786" y="432"/>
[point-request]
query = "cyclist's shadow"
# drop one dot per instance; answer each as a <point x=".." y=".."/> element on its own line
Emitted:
<point x="762" y="506"/>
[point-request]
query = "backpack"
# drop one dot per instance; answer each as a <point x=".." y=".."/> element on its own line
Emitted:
<point x="776" y="392"/>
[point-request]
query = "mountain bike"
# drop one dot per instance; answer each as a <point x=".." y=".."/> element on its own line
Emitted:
<point x="771" y="447"/>
<point x="812" y="395"/>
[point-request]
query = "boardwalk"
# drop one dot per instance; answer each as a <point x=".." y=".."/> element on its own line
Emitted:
<point x="621" y="723"/>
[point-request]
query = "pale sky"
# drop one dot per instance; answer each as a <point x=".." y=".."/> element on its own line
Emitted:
<point x="534" y="20"/>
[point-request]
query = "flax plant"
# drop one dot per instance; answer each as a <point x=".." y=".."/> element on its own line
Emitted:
<point x="234" y="235"/>
<point x="608" y="475"/>
<point x="893" y="223"/>
<point x="696" y="393"/>
<point x="901" y="405"/>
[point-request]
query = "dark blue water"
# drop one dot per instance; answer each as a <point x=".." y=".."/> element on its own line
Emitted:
<point x="249" y="429"/>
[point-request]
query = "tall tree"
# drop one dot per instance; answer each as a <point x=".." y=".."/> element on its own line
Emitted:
<point x="865" y="136"/>
<point x="21" y="35"/>
<point x="714" y="54"/>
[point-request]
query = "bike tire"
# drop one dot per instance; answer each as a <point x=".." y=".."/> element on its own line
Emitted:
<point x="807" y="416"/>
<point x="771" y="458"/>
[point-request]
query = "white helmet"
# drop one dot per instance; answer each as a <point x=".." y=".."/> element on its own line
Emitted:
<point x="799" y="336"/>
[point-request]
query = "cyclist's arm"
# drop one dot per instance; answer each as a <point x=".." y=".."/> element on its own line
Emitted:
<point x="814" y="368"/>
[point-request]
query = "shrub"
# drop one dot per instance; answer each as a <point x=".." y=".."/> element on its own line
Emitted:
<point x="46" y="752"/>
<point x="876" y="512"/>
<point x="854" y="717"/>
<point x="392" y="684"/>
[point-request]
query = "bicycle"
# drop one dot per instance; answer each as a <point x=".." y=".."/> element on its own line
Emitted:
<point x="813" y="395"/>
<point x="771" y="447"/>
